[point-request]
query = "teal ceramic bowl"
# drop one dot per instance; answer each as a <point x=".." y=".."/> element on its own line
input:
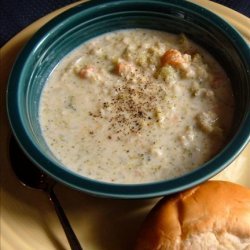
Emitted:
<point x="79" y="24"/>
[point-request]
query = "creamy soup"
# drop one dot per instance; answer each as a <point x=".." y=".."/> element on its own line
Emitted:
<point x="136" y="106"/>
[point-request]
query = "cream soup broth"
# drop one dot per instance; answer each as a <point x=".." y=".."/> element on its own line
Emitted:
<point x="136" y="106"/>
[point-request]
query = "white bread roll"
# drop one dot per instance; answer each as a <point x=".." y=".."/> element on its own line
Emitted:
<point x="212" y="216"/>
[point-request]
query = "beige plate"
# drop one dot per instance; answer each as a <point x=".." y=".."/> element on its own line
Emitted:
<point x="27" y="218"/>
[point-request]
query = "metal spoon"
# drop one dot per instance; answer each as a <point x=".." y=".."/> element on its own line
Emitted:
<point x="31" y="176"/>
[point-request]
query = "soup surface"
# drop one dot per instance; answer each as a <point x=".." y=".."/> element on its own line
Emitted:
<point x="136" y="106"/>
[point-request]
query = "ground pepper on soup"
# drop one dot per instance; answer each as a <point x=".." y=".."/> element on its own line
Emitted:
<point x="136" y="106"/>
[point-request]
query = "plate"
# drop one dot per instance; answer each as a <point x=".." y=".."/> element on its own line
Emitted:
<point x="28" y="220"/>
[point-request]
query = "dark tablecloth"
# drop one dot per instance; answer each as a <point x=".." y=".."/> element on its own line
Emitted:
<point x="15" y="15"/>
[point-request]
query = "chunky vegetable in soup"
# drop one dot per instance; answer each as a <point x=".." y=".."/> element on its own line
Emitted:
<point x="136" y="106"/>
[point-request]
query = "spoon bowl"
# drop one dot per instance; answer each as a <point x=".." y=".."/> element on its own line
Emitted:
<point x="25" y="170"/>
<point x="30" y="176"/>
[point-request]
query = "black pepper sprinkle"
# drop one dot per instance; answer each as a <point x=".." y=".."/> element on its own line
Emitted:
<point x="132" y="102"/>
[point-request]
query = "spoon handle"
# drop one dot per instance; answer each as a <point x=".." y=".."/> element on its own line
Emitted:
<point x="72" y="239"/>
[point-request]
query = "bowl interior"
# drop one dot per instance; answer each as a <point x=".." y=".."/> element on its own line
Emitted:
<point x="68" y="31"/>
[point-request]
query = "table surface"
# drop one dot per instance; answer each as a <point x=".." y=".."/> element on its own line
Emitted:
<point x="28" y="221"/>
<point x="17" y="14"/>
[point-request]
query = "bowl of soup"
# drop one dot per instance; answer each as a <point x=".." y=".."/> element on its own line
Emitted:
<point x="132" y="99"/>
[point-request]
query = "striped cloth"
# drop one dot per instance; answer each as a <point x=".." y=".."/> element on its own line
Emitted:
<point x="242" y="6"/>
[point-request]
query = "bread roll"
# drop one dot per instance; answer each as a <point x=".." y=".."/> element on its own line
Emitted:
<point x="214" y="215"/>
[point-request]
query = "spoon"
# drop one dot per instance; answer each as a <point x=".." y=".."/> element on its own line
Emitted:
<point x="30" y="176"/>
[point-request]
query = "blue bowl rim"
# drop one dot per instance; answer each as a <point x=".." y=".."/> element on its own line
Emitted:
<point x="132" y="191"/>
